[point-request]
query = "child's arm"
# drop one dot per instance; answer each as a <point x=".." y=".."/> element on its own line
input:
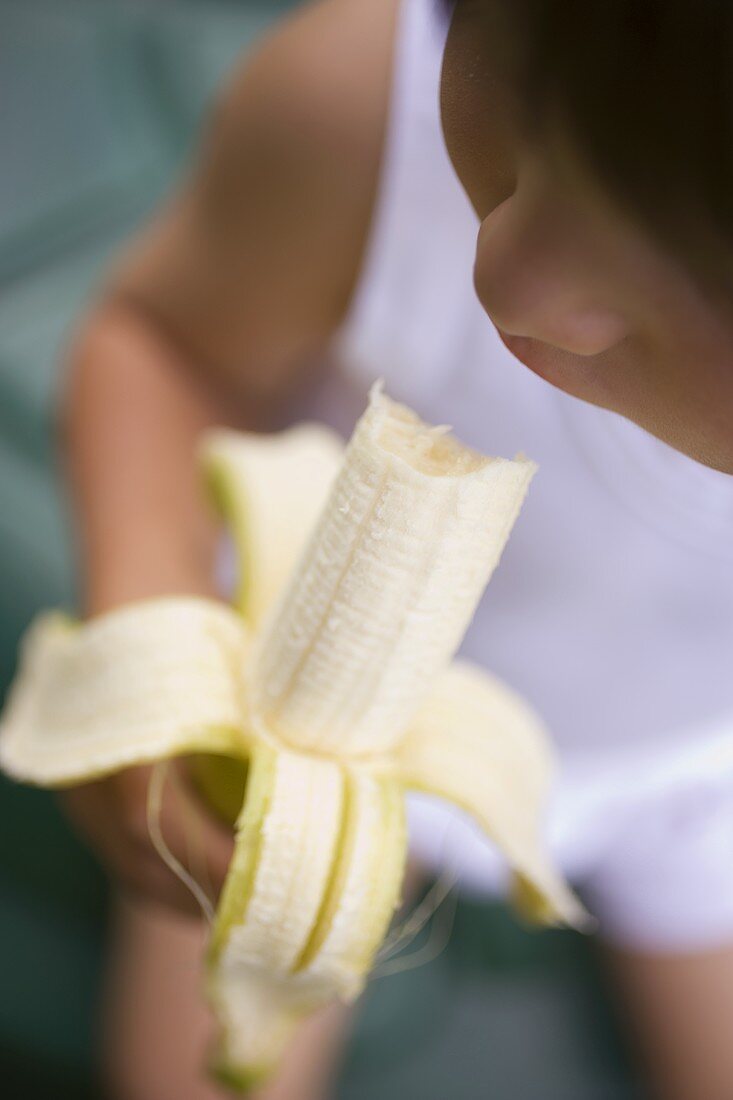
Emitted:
<point x="217" y="314"/>
<point x="158" y="1029"/>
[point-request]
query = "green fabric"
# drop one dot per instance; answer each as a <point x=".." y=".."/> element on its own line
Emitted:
<point x="52" y="909"/>
<point x="106" y="100"/>
<point x="503" y="1013"/>
<point x="108" y="97"/>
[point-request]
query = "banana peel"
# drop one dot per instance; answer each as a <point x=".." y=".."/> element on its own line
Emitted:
<point x="324" y="693"/>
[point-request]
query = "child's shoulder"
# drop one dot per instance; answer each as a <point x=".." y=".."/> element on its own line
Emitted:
<point x="254" y="260"/>
<point x="317" y="85"/>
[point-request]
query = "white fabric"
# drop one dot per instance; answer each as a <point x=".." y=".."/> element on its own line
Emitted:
<point x="613" y="608"/>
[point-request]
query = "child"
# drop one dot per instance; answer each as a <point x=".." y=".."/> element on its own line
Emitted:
<point x="325" y="240"/>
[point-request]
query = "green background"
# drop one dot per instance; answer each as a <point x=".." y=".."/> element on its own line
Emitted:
<point x="100" y="103"/>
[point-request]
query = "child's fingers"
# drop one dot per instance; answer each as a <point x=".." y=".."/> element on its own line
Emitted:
<point x="200" y="841"/>
<point x="113" y="816"/>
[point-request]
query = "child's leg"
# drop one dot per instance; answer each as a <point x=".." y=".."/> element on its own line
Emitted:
<point x="158" y="1030"/>
<point x="681" y="1011"/>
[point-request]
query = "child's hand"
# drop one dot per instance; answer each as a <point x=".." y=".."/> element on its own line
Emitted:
<point x="112" y="816"/>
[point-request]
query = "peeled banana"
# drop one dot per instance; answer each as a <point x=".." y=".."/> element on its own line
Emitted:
<point x="329" y="684"/>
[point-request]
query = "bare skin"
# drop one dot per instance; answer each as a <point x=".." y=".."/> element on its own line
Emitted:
<point x="679" y="1008"/>
<point x="216" y="315"/>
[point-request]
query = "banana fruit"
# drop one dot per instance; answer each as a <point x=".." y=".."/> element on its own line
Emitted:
<point x="317" y="700"/>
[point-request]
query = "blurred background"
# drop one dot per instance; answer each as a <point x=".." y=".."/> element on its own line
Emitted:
<point x="100" y="101"/>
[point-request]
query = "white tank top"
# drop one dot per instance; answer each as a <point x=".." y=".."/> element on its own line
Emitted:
<point x="612" y="609"/>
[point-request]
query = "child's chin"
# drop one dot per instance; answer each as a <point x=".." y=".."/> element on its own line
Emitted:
<point x="588" y="377"/>
<point x="542" y="359"/>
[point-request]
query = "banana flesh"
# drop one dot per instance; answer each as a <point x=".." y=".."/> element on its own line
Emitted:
<point x="286" y="845"/>
<point x="365" y="887"/>
<point x="331" y="684"/>
<point x="387" y="586"/>
<point x="299" y="925"/>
